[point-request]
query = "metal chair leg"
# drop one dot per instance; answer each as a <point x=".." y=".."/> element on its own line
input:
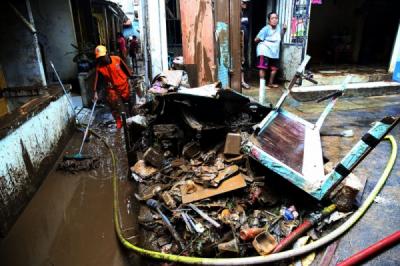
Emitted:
<point x="127" y="138"/>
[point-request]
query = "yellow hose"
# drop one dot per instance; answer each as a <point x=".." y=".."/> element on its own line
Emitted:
<point x="257" y="259"/>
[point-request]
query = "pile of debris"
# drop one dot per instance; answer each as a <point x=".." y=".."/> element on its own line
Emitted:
<point x="200" y="195"/>
<point x="76" y="165"/>
<point x="208" y="202"/>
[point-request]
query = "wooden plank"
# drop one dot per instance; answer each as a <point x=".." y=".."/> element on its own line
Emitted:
<point x="198" y="45"/>
<point x="223" y="49"/>
<point x="313" y="165"/>
<point x="328" y="254"/>
<point x="231" y="184"/>
<point x="235" y="39"/>
<point x="283" y="139"/>
<point x="221" y="14"/>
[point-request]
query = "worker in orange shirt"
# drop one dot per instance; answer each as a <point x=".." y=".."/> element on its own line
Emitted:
<point x="116" y="73"/>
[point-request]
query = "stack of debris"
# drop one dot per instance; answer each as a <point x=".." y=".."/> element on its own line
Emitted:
<point x="200" y="194"/>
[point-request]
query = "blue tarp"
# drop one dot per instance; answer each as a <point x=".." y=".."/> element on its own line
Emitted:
<point x="396" y="72"/>
<point x="132" y="30"/>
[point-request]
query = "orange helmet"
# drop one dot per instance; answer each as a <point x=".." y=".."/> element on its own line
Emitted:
<point x="100" y="50"/>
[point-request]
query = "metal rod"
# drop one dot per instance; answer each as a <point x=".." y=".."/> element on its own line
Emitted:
<point x="332" y="103"/>
<point x="186" y="220"/>
<point x="127" y="138"/>
<point x="24" y="20"/>
<point x="40" y="63"/>
<point x="196" y="226"/>
<point x="62" y="86"/>
<point x="156" y="206"/>
<point x="88" y="126"/>
<point x="204" y="215"/>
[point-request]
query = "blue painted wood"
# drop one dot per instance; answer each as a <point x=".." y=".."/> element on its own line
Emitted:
<point x="267" y="120"/>
<point x="332" y="103"/>
<point x="224" y="58"/>
<point x="276" y="166"/>
<point x="379" y="130"/>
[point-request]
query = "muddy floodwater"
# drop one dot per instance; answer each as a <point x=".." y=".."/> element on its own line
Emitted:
<point x="70" y="219"/>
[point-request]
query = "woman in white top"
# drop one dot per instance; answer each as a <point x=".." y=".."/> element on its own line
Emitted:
<point x="269" y="40"/>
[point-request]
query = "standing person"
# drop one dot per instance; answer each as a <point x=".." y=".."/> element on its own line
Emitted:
<point x="115" y="72"/>
<point x="121" y="46"/>
<point x="269" y="40"/>
<point x="244" y="28"/>
<point x="133" y="47"/>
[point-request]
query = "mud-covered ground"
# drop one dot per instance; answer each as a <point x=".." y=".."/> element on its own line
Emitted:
<point x="70" y="219"/>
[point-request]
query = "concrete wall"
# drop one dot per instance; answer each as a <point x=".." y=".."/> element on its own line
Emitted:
<point x="54" y="22"/>
<point x="290" y="60"/>
<point x="144" y="39"/>
<point x="26" y="154"/>
<point x="18" y="56"/>
<point x="157" y="36"/>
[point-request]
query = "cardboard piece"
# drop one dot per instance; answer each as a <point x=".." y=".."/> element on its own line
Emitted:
<point x="233" y="183"/>
<point x="143" y="170"/>
<point x="224" y="174"/>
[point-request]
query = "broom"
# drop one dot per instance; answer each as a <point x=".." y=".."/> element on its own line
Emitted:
<point x="79" y="155"/>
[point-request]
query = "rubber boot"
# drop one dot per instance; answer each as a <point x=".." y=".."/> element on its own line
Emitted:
<point x="261" y="94"/>
<point x="118" y="121"/>
<point x="117" y="117"/>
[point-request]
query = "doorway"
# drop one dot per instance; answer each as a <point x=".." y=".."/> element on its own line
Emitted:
<point x="257" y="20"/>
<point x="174" y="32"/>
<point x="356" y="34"/>
<point x="257" y="13"/>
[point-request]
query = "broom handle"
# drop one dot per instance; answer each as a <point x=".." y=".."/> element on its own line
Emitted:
<point x="62" y="86"/>
<point x="87" y="128"/>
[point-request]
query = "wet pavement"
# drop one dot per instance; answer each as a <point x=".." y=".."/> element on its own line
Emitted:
<point x="383" y="217"/>
<point x="70" y="219"/>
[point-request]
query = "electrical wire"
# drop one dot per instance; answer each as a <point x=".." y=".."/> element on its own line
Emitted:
<point x="257" y="259"/>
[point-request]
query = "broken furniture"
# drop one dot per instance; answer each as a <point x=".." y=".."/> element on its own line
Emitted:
<point x="291" y="146"/>
<point x="187" y="157"/>
<point x="217" y="197"/>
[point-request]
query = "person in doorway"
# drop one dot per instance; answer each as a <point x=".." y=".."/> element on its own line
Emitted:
<point x="244" y="28"/>
<point x="269" y="40"/>
<point x="121" y="46"/>
<point x="133" y="47"/>
<point x="115" y="73"/>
